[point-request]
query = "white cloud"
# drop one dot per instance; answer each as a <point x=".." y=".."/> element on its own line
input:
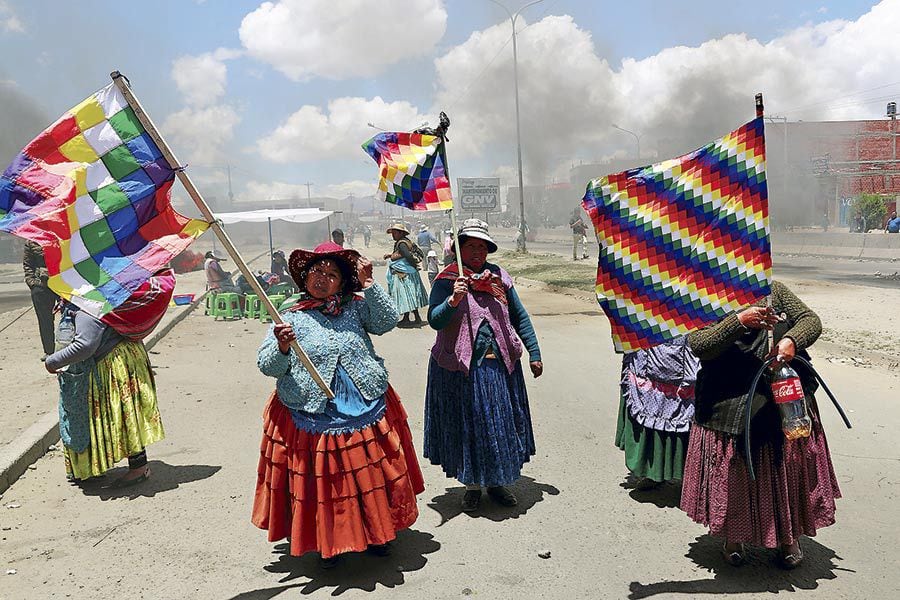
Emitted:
<point x="354" y="188"/>
<point x="201" y="134"/>
<point x="311" y="133"/>
<point x="201" y="79"/>
<point x="9" y="21"/>
<point x="336" y="40"/>
<point x="681" y="97"/>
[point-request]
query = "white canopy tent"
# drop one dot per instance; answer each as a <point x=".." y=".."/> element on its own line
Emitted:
<point x="293" y="215"/>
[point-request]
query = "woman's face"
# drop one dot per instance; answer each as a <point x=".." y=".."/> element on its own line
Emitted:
<point x="324" y="279"/>
<point x="396" y="234"/>
<point x="474" y="253"/>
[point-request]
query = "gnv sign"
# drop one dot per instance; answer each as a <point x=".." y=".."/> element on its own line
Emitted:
<point x="478" y="193"/>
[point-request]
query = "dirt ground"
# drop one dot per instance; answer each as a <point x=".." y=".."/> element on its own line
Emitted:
<point x="186" y="532"/>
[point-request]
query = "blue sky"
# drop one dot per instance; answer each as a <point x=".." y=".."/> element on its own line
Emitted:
<point x="257" y="88"/>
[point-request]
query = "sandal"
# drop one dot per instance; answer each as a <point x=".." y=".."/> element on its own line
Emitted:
<point x="734" y="558"/>
<point x="121" y="482"/>
<point x="791" y="560"/>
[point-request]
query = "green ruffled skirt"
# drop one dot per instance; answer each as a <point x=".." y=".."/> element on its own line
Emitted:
<point x="652" y="454"/>
<point x="124" y="414"/>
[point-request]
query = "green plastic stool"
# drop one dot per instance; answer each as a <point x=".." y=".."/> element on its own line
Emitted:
<point x="228" y="306"/>
<point x="210" y="308"/>
<point x="264" y="315"/>
<point x="251" y="306"/>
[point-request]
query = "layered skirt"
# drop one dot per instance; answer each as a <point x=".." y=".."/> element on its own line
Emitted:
<point x="650" y="453"/>
<point x="478" y="427"/>
<point x="794" y="492"/>
<point x="405" y="286"/>
<point x="124" y="416"/>
<point x="336" y="493"/>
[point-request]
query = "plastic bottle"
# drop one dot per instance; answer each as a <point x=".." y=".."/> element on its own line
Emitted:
<point x="788" y="394"/>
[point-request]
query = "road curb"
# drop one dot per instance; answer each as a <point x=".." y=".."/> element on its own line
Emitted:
<point x="33" y="443"/>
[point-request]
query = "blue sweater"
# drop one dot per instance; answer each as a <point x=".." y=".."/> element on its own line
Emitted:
<point x="328" y="340"/>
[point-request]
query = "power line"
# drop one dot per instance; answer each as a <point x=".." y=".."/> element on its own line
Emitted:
<point x="857" y="93"/>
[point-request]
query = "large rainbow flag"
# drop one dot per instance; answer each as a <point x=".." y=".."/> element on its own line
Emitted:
<point x="93" y="191"/>
<point x="683" y="242"/>
<point x="412" y="170"/>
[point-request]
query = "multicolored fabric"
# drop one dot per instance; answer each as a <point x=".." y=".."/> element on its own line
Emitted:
<point x="93" y="191"/>
<point x="412" y="170"/>
<point x="485" y="282"/>
<point x="138" y="316"/>
<point x="683" y="242"/>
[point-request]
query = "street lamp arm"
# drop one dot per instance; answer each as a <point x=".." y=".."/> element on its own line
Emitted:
<point x="514" y="16"/>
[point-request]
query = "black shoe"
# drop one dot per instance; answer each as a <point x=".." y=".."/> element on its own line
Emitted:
<point x="330" y="562"/>
<point x="502" y="496"/>
<point x="380" y="549"/>
<point x="471" y="500"/>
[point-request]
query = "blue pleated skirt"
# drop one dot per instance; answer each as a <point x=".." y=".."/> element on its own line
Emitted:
<point x="478" y="428"/>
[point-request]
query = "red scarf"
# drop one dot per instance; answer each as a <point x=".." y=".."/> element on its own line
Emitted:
<point x="141" y="313"/>
<point x="332" y="305"/>
<point x="485" y="282"/>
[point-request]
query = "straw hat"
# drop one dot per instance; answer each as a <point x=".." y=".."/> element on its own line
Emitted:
<point x="476" y="228"/>
<point x="209" y="254"/>
<point x="401" y="227"/>
<point x="301" y="259"/>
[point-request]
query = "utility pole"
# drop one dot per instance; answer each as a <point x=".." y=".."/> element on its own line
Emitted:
<point x="308" y="185"/>
<point x="230" y="191"/>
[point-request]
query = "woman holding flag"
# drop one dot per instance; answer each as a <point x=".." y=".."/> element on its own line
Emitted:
<point x="335" y="475"/>
<point x="477" y="420"/>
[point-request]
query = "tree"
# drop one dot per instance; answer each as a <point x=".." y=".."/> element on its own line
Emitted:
<point x="871" y="208"/>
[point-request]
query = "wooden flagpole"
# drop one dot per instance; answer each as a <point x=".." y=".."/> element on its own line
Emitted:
<point x="123" y="85"/>
<point x="441" y="131"/>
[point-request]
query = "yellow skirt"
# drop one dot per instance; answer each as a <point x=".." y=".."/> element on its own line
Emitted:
<point x="124" y="414"/>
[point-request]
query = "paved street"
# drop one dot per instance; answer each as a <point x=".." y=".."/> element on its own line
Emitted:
<point x="186" y="532"/>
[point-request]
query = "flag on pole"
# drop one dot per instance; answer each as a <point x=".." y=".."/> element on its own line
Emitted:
<point x="412" y="170"/>
<point x="93" y="190"/>
<point x="683" y="242"/>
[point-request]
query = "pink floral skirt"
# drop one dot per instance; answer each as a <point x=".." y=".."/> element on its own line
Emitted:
<point x="793" y="494"/>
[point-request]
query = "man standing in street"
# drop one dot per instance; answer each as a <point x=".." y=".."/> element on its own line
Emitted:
<point x="579" y="235"/>
<point x="425" y="239"/>
<point x="42" y="297"/>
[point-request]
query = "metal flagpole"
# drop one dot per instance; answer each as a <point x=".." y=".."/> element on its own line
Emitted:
<point x="770" y="334"/>
<point x="124" y="86"/>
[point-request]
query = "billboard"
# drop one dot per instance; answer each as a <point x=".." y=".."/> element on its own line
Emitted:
<point x="478" y="193"/>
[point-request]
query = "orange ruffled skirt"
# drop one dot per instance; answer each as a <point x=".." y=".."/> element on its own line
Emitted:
<point x="336" y="493"/>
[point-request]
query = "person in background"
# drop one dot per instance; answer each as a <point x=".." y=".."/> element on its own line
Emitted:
<point x="337" y="236"/>
<point x="431" y="264"/>
<point x="425" y="239"/>
<point x="280" y="266"/>
<point x="893" y="224"/>
<point x="404" y="282"/>
<point x="477" y="420"/>
<point x="42" y="297"/>
<point x="579" y="234"/>
<point x="795" y="487"/>
<point x="217" y="278"/>
<point x="367" y="234"/>
<point x="449" y="255"/>
<point x="656" y="410"/>
<point x="335" y="475"/>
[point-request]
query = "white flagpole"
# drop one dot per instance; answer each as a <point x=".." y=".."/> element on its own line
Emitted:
<point x="123" y="85"/>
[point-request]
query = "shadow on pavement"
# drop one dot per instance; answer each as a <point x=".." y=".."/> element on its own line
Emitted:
<point x="528" y="491"/>
<point x="357" y="570"/>
<point x="163" y="477"/>
<point x="760" y="575"/>
<point x="665" y="495"/>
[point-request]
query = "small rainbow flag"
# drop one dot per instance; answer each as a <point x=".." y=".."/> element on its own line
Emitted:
<point x="93" y="191"/>
<point x="412" y="170"/>
<point x="683" y="242"/>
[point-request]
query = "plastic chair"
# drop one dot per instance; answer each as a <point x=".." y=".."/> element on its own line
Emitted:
<point x="210" y="308"/>
<point x="264" y="315"/>
<point x="228" y="306"/>
<point x="284" y="288"/>
<point x="251" y="306"/>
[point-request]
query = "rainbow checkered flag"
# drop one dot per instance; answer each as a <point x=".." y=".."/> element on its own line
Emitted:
<point x="683" y="242"/>
<point x="93" y="191"/>
<point x="412" y="170"/>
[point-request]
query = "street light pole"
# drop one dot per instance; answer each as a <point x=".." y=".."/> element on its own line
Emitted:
<point x="512" y="20"/>
<point x="637" y="138"/>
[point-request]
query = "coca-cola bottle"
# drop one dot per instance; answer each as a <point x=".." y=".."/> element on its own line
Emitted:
<point x="788" y="394"/>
